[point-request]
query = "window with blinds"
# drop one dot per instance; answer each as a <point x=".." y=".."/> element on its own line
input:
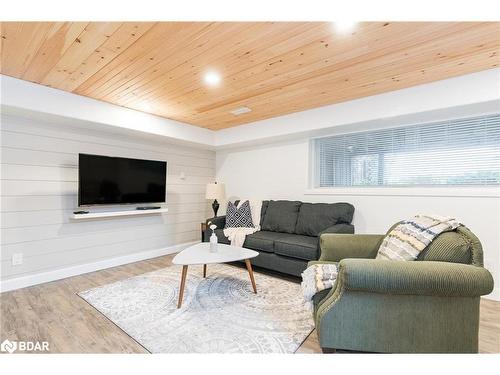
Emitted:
<point x="456" y="152"/>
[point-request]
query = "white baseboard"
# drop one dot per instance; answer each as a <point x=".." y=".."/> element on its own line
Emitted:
<point x="44" y="277"/>
<point x="495" y="295"/>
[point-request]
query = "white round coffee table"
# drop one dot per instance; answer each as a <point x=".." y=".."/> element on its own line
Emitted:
<point x="200" y="254"/>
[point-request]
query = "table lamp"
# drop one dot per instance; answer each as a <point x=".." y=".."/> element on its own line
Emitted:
<point x="215" y="191"/>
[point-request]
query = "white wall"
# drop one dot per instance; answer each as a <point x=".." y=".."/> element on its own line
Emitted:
<point x="280" y="171"/>
<point x="38" y="195"/>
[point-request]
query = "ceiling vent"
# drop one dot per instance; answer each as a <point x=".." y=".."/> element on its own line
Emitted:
<point x="240" y="110"/>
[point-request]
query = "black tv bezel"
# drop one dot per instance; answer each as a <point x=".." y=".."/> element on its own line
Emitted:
<point x="118" y="204"/>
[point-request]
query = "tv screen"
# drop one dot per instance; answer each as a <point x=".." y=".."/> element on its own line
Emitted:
<point x="112" y="180"/>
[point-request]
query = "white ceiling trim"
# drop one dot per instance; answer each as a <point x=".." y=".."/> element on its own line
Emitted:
<point x="23" y="96"/>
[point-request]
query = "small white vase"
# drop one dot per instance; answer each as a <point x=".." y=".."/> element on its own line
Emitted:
<point x="213" y="243"/>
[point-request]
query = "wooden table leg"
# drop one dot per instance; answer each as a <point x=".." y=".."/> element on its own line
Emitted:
<point x="183" y="284"/>
<point x="250" y="272"/>
<point x="204" y="270"/>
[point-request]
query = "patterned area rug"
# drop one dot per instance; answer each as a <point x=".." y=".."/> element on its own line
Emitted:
<point x="220" y="314"/>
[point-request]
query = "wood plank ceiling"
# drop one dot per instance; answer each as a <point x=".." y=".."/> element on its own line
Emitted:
<point x="273" y="68"/>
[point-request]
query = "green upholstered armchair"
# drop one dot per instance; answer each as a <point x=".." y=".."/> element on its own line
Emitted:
<point x="430" y="305"/>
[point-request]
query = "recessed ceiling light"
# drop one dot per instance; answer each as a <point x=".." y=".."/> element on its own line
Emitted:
<point x="212" y="78"/>
<point x="240" y="110"/>
<point x="345" y="26"/>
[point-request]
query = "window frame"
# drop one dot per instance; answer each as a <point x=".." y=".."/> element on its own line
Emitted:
<point x="394" y="190"/>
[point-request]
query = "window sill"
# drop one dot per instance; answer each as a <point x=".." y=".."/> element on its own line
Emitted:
<point x="426" y="191"/>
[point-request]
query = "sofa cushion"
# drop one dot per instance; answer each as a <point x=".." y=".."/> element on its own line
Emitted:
<point x="316" y="217"/>
<point x="281" y="216"/>
<point x="262" y="240"/>
<point x="297" y="246"/>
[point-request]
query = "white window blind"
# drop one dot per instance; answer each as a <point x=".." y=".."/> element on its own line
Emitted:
<point x="456" y="152"/>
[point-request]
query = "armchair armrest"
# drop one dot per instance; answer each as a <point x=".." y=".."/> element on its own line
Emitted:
<point x="220" y="221"/>
<point x="414" y="278"/>
<point x="335" y="247"/>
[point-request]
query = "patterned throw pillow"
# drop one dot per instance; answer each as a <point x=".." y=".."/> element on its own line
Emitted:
<point x="239" y="217"/>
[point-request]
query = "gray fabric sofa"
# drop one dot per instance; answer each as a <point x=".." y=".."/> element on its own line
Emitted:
<point x="290" y="230"/>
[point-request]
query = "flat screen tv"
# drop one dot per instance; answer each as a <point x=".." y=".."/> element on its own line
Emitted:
<point x="111" y="180"/>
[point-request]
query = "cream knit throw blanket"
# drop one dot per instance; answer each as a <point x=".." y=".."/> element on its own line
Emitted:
<point x="404" y="242"/>
<point x="317" y="277"/>
<point x="410" y="237"/>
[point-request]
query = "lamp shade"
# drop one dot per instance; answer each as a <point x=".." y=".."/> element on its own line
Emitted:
<point x="215" y="191"/>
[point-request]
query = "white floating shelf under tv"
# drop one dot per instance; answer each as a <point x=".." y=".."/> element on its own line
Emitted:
<point x="104" y="214"/>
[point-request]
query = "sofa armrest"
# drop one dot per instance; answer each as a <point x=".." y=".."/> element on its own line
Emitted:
<point x="335" y="247"/>
<point x="220" y="221"/>
<point x="339" y="228"/>
<point x="414" y="278"/>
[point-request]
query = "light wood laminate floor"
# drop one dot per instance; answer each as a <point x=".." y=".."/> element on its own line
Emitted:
<point x="53" y="312"/>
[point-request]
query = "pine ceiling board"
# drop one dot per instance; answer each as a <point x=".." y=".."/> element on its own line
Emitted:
<point x="21" y="42"/>
<point x="311" y="59"/>
<point x="1" y="47"/>
<point x="181" y="57"/>
<point x="274" y="68"/>
<point x="152" y="38"/>
<point x="341" y="89"/>
<point x="254" y="117"/>
<point x="174" y="97"/>
<point x="92" y="37"/>
<point x="270" y="70"/>
<point x="127" y="34"/>
<point x="180" y="80"/>
<point x="319" y="75"/>
<point x="171" y="49"/>
<point x="59" y="38"/>
<point x="388" y="65"/>
<point x="168" y="41"/>
<point x="209" y="94"/>
<point x="219" y="52"/>
<point x="446" y="70"/>
<point x="344" y="92"/>
<point x="2" y="43"/>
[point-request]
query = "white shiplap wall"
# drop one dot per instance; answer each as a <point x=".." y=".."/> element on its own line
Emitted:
<point x="39" y="175"/>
